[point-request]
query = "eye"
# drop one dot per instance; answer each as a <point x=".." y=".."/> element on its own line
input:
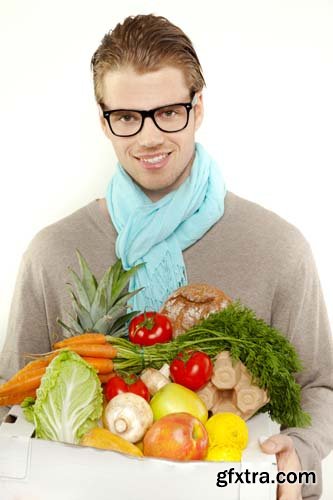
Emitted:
<point x="169" y="113"/>
<point x="125" y="117"/>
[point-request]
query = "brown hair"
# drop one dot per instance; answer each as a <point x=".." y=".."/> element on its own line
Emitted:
<point x="147" y="43"/>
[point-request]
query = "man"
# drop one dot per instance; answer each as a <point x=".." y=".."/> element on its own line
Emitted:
<point x="167" y="206"/>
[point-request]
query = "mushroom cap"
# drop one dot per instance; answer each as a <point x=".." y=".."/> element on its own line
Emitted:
<point x="128" y="415"/>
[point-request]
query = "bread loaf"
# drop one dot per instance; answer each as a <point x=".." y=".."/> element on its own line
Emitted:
<point x="191" y="303"/>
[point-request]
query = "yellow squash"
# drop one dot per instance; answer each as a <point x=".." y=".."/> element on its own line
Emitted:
<point x="106" y="440"/>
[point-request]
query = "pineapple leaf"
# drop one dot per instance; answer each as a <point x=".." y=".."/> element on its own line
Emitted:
<point x="124" y="297"/>
<point x="98" y="307"/>
<point x="76" y="307"/>
<point x="74" y="324"/>
<point x="121" y="332"/>
<point x="120" y="328"/>
<point x="82" y="315"/>
<point x="88" y="280"/>
<point x="73" y="327"/>
<point x="122" y="282"/>
<point x="116" y="270"/>
<point x="65" y="327"/>
<point x="110" y="318"/>
<point x="104" y="324"/>
<point x="82" y="294"/>
<point x="123" y="321"/>
<point x="116" y="316"/>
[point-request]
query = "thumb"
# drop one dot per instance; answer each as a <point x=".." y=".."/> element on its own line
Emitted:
<point x="267" y="444"/>
<point x="276" y="443"/>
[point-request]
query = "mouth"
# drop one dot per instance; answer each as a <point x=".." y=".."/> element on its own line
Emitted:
<point x="153" y="161"/>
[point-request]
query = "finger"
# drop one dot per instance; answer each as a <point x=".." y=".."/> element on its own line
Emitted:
<point x="276" y="443"/>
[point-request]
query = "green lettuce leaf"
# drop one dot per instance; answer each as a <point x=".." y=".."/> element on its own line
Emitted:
<point x="69" y="400"/>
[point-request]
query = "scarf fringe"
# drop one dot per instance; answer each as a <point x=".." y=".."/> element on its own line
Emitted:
<point x="163" y="281"/>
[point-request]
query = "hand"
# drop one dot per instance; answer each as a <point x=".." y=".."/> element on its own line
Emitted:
<point x="287" y="461"/>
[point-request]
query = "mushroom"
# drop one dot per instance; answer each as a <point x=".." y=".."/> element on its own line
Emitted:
<point x="165" y="370"/>
<point x="154" y="379"/>
<point x="129" y="416"/>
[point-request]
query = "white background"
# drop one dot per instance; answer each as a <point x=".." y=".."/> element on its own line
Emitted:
<point x="269" y="106"/>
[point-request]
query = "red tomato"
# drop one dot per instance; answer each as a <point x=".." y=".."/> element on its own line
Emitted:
<point x="116" y="385"/>
<point x="139" y="388"/>
<point x="194" y="373"/>
<point x="150" y="328"/>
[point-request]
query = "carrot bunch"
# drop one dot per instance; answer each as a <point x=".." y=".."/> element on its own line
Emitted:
<point x="92" y="347"/>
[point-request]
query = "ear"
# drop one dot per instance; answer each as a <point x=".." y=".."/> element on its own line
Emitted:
<point x="198" y="111"/>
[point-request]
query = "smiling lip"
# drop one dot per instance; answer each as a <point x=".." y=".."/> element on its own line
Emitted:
<point x="153" y="161"/>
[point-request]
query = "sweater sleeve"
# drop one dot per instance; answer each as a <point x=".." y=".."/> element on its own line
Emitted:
<point x="27" y="330"/>
<point x="299" y="311"/>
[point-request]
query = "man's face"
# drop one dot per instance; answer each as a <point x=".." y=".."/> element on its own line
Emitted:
<point x="157" y="161"/>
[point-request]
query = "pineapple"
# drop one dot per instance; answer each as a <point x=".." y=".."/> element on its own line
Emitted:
<point x="100" y="307"/>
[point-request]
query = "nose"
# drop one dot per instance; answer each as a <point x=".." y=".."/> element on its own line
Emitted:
<point x="150" y="136"/>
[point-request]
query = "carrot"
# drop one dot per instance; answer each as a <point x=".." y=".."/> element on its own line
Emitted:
<point x="41" y="362"/>
<point x="29" y="377"/>
<point x="94" y="350"/>
<point x="105" y="377"/>
<point x="84" y="338"/>
<point x="16" y="398"/>
<point x="27" y="382"/>
<point x="101" y="365"/>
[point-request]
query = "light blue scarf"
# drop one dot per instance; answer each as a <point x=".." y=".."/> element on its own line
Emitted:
<point x="156" y="232"/>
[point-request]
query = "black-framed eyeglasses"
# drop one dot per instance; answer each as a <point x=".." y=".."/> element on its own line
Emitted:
<point x="170" y="118"/>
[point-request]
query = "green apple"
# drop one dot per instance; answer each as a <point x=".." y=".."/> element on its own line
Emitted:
<point x="175" y="398"/>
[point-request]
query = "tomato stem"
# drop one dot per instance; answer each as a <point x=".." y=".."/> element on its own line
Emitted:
<point x="148" y="323"/>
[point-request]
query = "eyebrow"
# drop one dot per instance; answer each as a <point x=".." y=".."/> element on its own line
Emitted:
<point x="185" y="101"/>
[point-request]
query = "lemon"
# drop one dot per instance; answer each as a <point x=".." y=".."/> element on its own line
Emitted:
<point x="223" y="453"/>
<point x="227" y="430"/>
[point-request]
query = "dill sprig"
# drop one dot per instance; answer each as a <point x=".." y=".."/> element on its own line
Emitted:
<point x="268" y="355"/>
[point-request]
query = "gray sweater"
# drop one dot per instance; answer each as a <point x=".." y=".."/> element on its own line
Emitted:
<point x="250" y="253"/>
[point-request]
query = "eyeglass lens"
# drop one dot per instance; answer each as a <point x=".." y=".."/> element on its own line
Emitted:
<point x="169" y="119"/>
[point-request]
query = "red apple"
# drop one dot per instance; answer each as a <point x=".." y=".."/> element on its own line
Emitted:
<point x="178" y="436"/>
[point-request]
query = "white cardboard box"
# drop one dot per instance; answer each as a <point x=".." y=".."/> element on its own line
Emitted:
<point x="35" y="469"/>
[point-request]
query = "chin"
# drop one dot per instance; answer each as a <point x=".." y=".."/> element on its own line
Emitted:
<point x="156" y="192"/>
<point x="154" y="185"/>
